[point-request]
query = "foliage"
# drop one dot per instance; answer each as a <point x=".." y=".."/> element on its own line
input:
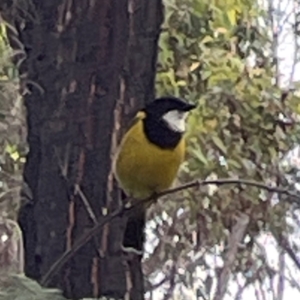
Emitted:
<point x="12" y="286"/>
<point x="12" y="129"/>
<point x="218" y="55"/>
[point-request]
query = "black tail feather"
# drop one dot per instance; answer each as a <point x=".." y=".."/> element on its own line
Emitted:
<point x="134" y="235"/>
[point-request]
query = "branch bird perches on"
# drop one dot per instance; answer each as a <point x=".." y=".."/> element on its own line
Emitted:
<point x="293" y="198"/>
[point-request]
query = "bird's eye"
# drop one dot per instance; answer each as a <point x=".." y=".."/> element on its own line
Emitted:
<point x="181" y="114"/>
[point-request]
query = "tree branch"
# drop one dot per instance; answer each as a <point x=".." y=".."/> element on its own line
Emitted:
<point x="235" y="238"/>
<point x="285" y="245"/>
<point x="67" y="255"/>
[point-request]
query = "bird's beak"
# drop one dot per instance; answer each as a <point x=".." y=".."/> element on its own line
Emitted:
<point x="190" y="106"/>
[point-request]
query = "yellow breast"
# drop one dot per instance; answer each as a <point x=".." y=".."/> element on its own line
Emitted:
<point x="143" y="168"/>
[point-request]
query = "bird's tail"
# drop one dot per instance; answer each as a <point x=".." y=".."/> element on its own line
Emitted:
<point x="134" y="235"/>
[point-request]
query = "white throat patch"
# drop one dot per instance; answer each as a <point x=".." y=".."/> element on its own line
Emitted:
<point x="175" y="120"/>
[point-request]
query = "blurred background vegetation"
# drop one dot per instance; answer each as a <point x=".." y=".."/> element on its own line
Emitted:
<point x="223" y="55"/>
<point x="12" y="130"/>
<point x="226" y="56"/>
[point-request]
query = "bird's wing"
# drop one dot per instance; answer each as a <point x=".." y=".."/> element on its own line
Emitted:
<point x="138" y="117"/>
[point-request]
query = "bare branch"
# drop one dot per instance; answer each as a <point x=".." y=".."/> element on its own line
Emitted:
<point x="285" y="245"/>
<point x="172" y="282"/>
<point x="296" y="48"/>
<point x="280" y="287"/>
<point x="235" y="238"/>
<point x="86" y="203"/>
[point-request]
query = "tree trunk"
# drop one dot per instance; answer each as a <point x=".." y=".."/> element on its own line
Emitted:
<point x="89" y="65"/>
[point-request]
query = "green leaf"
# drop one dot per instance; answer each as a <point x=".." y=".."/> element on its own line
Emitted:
<point x="231" y="14"/>
<point x="219" y="143"/>
<point x="198" y="154"/>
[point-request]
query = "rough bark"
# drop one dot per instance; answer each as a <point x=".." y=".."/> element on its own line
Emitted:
<point x="88" y="66"/>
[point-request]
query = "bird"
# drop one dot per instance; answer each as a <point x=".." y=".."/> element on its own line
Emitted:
<point x="148" y="158"/>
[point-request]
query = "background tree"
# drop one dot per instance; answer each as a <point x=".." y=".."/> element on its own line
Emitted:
<point x="82" y="71"/>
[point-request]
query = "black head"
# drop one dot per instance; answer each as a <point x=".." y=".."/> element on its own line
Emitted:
<point x="161" y="106"/>
<point x="164" y="123"/>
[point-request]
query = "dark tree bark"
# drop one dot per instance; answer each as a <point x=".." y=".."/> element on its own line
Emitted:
<point x="89" y="65"/>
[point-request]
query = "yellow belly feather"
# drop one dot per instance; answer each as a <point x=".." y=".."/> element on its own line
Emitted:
<point x="143" y="168"/>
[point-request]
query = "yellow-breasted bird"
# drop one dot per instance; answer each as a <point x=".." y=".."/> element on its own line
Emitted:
<point x="148" y="158"/>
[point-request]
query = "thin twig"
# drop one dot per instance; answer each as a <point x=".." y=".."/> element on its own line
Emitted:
<point x="296" y="47"/>
<point x="67" y="255"/>
<point x="172" y="282"/>
<point x="235" y="238"/>
<point x="280" y="286"/>
<point x="229" y="181"/>
<point x="285" y="245"/>
<point x="88" y="207"/>
<point x="241" y="289"/>
<point x="86" y="203"/>
<point x="292" y="281"/>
